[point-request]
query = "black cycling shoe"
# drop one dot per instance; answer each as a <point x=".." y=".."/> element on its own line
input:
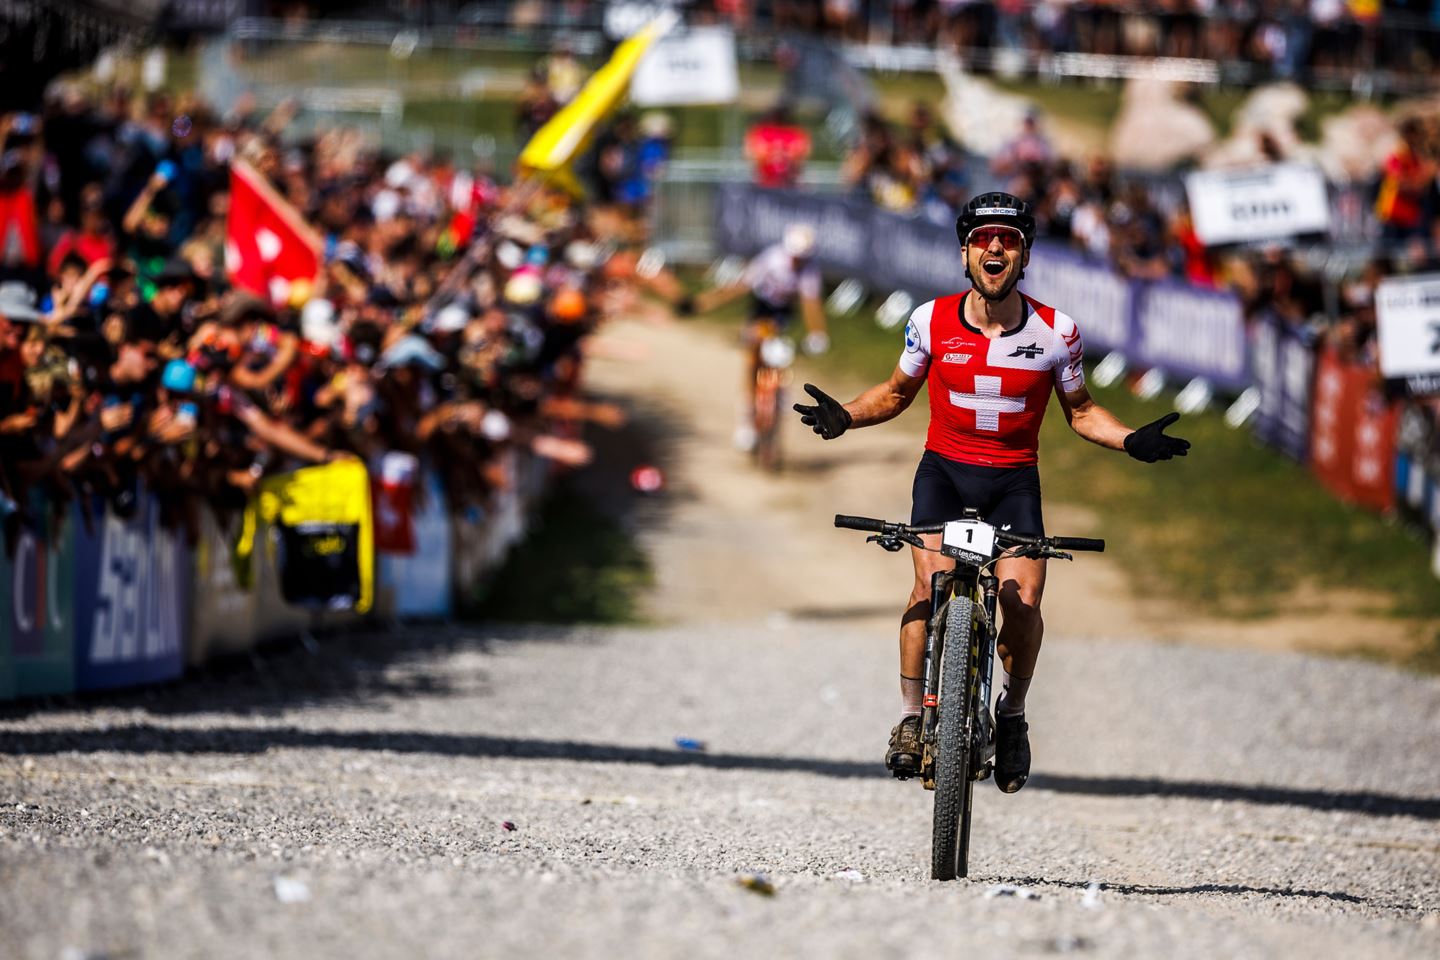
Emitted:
<point x="903" y="757"/>
<point x="1012" y="753"/>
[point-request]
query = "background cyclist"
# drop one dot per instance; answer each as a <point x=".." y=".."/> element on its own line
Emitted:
<point x="777" y="279"/>
<point x="991" y="357"/>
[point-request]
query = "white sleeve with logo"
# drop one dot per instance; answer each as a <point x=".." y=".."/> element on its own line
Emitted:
<point x="916" y="358"/>
<point x="1069" y="367"/>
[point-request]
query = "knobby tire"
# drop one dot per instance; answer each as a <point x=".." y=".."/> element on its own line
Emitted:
<point x="767" y="418"/>
<point x="950" y="842"/>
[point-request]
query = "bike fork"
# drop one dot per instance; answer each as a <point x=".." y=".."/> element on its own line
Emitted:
<point x="934" y="648"/>
<point x="988" y="587"/>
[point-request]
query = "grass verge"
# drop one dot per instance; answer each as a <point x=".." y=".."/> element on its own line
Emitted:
<point x="577" y="565"/>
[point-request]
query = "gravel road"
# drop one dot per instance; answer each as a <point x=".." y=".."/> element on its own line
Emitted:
<point x="1187" y="801"/>
<point x="1227" y="803"/>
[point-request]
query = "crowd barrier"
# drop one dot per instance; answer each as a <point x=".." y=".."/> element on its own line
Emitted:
<point x="1312" y="405"/>
<point x="90" y="600"/>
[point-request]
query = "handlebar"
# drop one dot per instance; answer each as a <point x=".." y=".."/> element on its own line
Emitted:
<point x="1003" y="537"/>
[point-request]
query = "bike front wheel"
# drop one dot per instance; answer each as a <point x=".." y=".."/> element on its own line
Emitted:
<point x="954" y="787"/>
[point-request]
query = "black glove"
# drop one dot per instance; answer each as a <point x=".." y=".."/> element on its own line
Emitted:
<point x="1149" y="443"/>
<point x="827" y="418"/>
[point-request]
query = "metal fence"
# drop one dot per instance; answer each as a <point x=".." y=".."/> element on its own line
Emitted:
<point x="682" y="218"/>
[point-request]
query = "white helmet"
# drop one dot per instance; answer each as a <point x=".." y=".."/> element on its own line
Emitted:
<point x="799" y="240"/>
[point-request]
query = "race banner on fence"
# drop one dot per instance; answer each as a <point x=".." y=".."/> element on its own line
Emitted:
<point x="132" y="584"/>
<point x="1189" y="332"/>
<point x="1284" y="366"/>
<point x="1185" y="331"/>
<point x="37" y="606"/>
<point x="1100" y="301"/>
<point x="1353" y="444"/>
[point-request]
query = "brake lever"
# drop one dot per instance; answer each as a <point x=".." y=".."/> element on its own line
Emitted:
<point x="1060" y="555"/>
<point x="891" y="544"/>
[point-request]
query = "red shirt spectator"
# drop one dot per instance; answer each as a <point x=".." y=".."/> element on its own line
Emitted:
<point x="778" y="149"/>
<point x="1407" y="175"/>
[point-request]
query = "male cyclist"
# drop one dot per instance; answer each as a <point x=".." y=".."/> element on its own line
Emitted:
<point x="991" y="356"/>
<point x="777" y="278"/>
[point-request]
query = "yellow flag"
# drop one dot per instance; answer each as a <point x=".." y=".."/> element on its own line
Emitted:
<point x="570" y="131"/>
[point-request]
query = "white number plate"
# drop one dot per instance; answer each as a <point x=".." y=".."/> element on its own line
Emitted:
<point x="972" y="536"/>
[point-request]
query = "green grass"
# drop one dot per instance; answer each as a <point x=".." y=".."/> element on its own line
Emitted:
<point x="1234" y="528"/>
<point x="577" y="565"/>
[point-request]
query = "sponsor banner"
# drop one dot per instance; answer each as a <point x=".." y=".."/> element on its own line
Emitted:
<point x="1407" y="318"/>
<point x="1283" y="365"/>
<point x="1189" y="332"/>
<point x="1263" y="203"/>
<point x="1353" y="442"/>
<point x="419" y="584"/>
<point x="37" y="607"/>
<point x="1099" y="300"/>
<point x="696" y="67"/>
<point x="132" y="590"/>
<point x="1185" y="331"/>
<point x="321" y="529"/>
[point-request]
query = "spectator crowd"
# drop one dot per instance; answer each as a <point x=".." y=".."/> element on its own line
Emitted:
<point x="450" y="316"/>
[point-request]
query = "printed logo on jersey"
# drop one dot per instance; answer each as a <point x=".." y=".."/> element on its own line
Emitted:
<point x="953" y="342"/>
<point x="912" y="337"/>
<point x="956" y="358"/>
<point x="1030" y="351"/>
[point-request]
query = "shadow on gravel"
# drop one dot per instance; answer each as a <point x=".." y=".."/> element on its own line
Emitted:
<point x="148" y="738"/>
<point x="1223" y="889"/>
<point x="1376" y="804"/>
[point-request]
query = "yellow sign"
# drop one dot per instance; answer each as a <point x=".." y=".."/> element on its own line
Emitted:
<point x="324" y="500"/>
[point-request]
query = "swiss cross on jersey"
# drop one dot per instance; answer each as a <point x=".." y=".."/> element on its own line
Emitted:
<point x="988" y="397"/>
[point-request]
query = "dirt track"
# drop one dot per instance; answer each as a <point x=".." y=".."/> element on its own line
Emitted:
<point x="1226" y="802"/>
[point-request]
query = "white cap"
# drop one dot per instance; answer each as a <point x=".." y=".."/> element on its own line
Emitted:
<point x="317" y="323"/>
<point x="799" y="240"/>
<point x="451" y="318"/>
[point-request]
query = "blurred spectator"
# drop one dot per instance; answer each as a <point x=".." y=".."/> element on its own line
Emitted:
<point x="1406" y="184"/>
<point x="778" y="149"/>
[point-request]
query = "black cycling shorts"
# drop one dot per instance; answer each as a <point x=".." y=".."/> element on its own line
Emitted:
<point x="1007" y="497"/>
<point x="761" y="309"/>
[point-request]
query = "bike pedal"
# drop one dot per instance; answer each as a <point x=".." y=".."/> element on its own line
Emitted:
<point x="984" y="772"/>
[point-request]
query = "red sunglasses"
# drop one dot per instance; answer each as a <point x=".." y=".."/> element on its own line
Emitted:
<point x="1010" y="238"/>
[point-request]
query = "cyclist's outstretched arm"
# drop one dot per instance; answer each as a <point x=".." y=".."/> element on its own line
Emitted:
<point x="719" y="297"/>
<point x="1090" y="420"/>
<point x="1098" y="425"/>
<point x="884" y="401"/>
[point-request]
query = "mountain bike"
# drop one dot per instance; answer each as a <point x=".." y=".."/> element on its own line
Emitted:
<point x="776" y="355"/>
<point x="957" y="731"/>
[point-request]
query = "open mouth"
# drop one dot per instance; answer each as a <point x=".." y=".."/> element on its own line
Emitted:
<point x="994" y="266"/>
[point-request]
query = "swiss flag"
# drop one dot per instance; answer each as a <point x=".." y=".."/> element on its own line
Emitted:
<point x="269" y="249"/>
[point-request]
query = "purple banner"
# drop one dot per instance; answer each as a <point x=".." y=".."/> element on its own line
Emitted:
<point x="1100" y="301"/>
<point x="132" y="591"/>
<point x="1189" y="332"/>
<point x="1284" y="368"/>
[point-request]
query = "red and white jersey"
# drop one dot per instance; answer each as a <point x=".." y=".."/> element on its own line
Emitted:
<point x="987" y="397"/>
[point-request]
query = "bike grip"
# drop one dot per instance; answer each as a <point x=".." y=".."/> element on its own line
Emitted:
<point x="859" y="523"/>
<point x="1079" y="543"/>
